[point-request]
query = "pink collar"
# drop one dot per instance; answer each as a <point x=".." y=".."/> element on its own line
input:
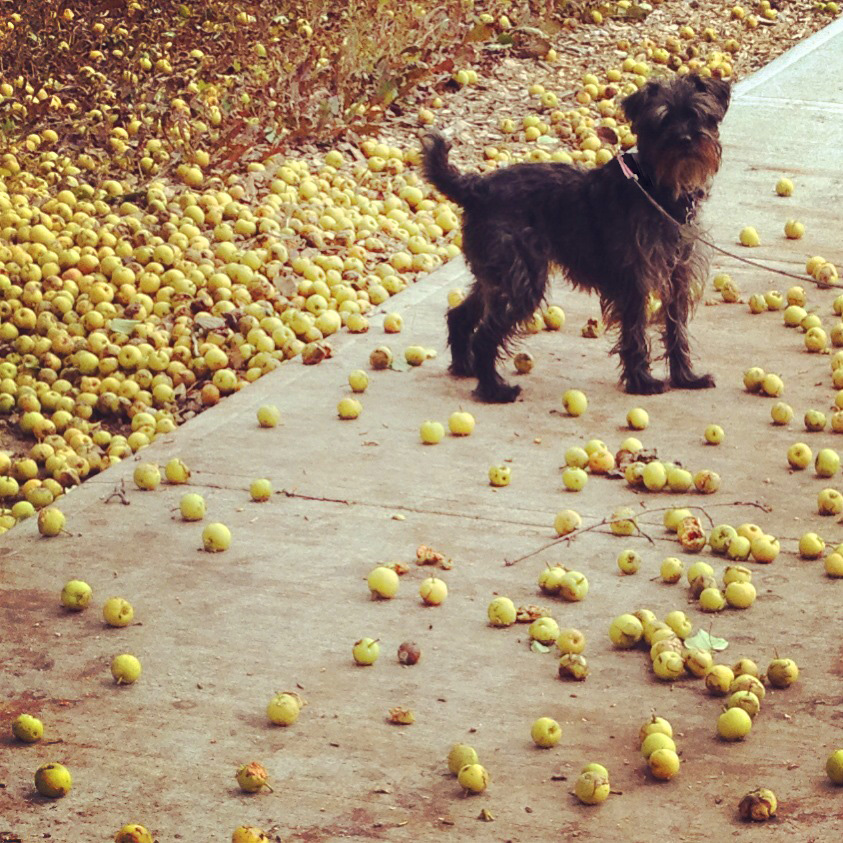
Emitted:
<point x="625" y="167"/>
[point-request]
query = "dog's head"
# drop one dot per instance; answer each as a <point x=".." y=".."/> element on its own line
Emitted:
<point x="677" y="125"/>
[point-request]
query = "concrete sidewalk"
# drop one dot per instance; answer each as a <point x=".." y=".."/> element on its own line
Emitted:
<point x="218" y="634"/>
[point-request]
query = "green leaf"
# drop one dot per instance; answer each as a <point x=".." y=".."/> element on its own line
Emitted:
<point x="702" y="640"/>
<point x="538" y="647"/>
<point x="123" y="326"/>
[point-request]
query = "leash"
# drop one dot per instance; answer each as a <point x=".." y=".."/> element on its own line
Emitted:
<point x="633" y="177"/>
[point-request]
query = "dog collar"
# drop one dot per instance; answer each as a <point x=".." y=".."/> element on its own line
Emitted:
<point x="679" y="210"/>
<point x="625" y="167"/>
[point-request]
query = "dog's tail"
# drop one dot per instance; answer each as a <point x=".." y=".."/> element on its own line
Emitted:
<point x="457" y="186"/>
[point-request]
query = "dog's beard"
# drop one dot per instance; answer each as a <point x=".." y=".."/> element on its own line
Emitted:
<point x="687" y="171"/>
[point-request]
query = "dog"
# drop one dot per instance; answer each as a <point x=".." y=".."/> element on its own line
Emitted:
<point x="598" y="227"/>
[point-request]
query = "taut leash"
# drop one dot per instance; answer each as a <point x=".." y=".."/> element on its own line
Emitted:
<point x="633" y="177"/>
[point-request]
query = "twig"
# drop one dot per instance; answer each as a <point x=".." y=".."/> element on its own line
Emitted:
<point x="289" y="494"/>
<point x="579" y="531"/>
<point x="119" y="493"/>
<point x="568" y="537"/>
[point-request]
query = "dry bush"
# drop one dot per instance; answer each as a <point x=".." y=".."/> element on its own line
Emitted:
<point x="71" y="64"/>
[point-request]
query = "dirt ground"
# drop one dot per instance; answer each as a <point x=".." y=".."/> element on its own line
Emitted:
<point x="218" y="634"/>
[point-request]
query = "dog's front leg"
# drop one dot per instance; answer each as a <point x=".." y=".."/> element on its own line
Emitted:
<point x="634" y="347"/>
<point x="677" y="310"/>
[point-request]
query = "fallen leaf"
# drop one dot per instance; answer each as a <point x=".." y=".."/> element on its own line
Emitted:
<point x="401" y="716"/>
<point x="702" y="640"/>
<point x="527" y="614"/>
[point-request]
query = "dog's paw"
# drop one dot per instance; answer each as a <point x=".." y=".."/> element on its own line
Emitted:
<point x="461" y="369"/>
<point x="501" y="393"/>
<point x="644" y="385"/>
<point x="693" y="381"/>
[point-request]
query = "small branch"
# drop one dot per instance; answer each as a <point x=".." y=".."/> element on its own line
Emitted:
<point x="574" y="533"/>
<point x="289" y="494"/>
<point x="119" y="493"/>
<point x="568" y="537"/>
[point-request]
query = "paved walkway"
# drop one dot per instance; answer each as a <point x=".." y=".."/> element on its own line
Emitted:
<point x="218" y="634"/>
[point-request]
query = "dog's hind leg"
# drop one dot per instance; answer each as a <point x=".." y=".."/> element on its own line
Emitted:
<point x="677" y="309"/>
<point x="515" y="302"/>
<point x="462" y="320"/>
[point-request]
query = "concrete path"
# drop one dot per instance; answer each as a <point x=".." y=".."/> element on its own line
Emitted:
<point x="219" y="634"/>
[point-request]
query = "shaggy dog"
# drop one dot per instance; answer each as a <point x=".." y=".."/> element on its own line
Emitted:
<point x="600" y="228"/>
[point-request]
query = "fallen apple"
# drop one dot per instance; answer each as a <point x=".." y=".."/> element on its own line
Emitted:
<point x="431" y="432"/>
<point x="671" y="569"/>
<point x="570" y="640"/>
<point x="501" y="612"/>
<point x="575" y="402"/>
<point x="782" y="673"/>
<point x="591" y="788"/>
<point x="192" y="507"/>
<point x="249" y="834"/>
<point x="637" y="418"/>
<point x="147" y="476"/>
<point x="358" y="380"/>
<point x="176" y="472"/>
<point x="27" y="729"/>
<point x="133" y="833"/>
<point x="349" y="408"/>
<point x="117" y="611"/>
<point x="629" y="561"/>
<point x="76" y="595"/>
<point x="500" y="475"/>
<point x="433" y="591"/>
<point x="626" y="631"/>
<point x="126" y="669"/>
<point x="268" y="415"/>
<point x="53" y="780"/>
<point x="566" y="521"/>
<point x="366" y="651"/>
<point x="260" y="490"/>
<point x="461" y="755"/>
<point x="51" y="521"/>
<point x="573" y="666"/>
<point x="252" y="777"/>
<point x="734" y="724"/>
<point x="461" y="423"/>
<point x="834" y="767"/>
<point x="664" y="763"/>
<point x="758" y="805"/>
<point x="574" y="479"/>
<point x="284" y="708"/>
<point x="473" y="778"/>
<point x="546" y="732"/>
<point x="573" y="586"/>
<point x="216" y="538"/>
<point x="383" y="582"/>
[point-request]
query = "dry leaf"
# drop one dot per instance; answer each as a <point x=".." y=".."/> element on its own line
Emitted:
<point x="527" y="614"/>
<point x="401" y="716"/>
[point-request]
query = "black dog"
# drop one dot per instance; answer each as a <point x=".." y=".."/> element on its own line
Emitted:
<point x="599" y="228"/>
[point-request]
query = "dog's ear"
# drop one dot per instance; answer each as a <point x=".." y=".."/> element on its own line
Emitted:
<point x="637" y="104"/>
<point x="718" y="89"/>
